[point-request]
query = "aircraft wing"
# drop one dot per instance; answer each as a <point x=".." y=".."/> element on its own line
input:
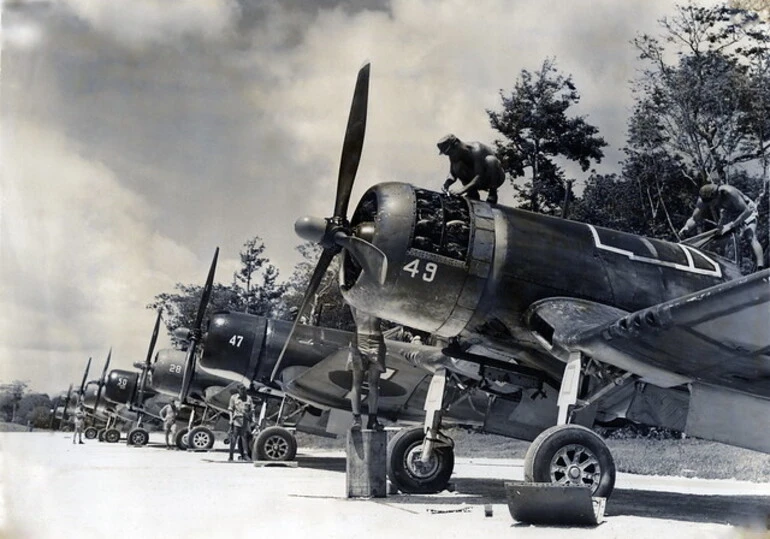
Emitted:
<point x="718" y="336"/>
<point x="327" y="384"/>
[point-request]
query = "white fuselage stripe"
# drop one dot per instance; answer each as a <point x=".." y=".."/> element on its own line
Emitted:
<point x="690" y="267"/>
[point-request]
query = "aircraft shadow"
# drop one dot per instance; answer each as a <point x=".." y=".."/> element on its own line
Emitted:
<point x="331" y="464"/>
<point x="750" y="511"/>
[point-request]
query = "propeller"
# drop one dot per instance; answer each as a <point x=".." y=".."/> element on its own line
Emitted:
<point x="85" y="377"/>
<point x="101" y="381"/>
<point x="189" y="363"/>
<point x="147" y="366"/>
<point x="334" y="233"/>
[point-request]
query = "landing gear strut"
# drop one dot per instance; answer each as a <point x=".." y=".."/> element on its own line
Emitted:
<point x="421" y="460"/>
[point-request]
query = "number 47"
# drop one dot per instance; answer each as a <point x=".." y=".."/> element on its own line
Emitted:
<point x="428" y="273"/>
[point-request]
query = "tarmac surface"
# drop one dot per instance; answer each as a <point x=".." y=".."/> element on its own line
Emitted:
<point x="52" y="488"/>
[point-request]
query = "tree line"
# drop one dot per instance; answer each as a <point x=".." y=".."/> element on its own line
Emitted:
<point x="701" y="114"/>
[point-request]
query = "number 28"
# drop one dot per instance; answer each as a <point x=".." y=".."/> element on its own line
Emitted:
<point x="428" y="273"/>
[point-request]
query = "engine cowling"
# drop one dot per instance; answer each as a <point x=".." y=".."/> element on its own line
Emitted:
<point x="120" y="386"/>
<point x="167" y="371"/>
<point x="439" y="251"/>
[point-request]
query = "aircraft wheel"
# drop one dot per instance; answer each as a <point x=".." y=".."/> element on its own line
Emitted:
<point x="90" y="433"/>
<point x="181" y="439"/>
<point x="100" y="435"/>
<point x="112" y="436"/>
<point x="200" y="439"/>
<point x="138" y="436"/>
<point x="571" y="455"/>
<point x="408" y="473"/>
<point x="275" y="443"/>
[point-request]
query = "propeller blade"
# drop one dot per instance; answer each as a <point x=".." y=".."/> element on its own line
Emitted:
<point x="189" y="362"/>
<point x="85" y="376"/>
<point x="372" y="260"/>
<point x="327" y="255"/>
<point x="153" y="339"/>
<point x="146" y="368"/>
<point x="353" y="143"/>
<point x="101" y="380"/>
<point x="66" y="404"/>
<point x="207" y="291"/>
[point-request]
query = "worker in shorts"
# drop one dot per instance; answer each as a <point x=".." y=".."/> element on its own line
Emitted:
<point x="80" y="421"/>
<point x="366" y="360"/>
<point x="169" y="414"/>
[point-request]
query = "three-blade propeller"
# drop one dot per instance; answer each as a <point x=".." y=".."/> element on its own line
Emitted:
<point x="334" y="233"/>
<point x="196" y="332"/>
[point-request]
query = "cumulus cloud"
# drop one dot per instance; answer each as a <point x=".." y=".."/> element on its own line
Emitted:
<point x="138" y="23"/>
<point x="81" y="261"/>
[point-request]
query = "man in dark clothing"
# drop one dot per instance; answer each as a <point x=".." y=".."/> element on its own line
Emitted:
<point x="475" y="165"/>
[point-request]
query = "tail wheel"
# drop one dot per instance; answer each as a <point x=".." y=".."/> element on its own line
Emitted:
<point x="138" y="436"/>
<point x="90" y="433"/>
<point x="276" y="444"/>
<point x="200" y="439"/>
<point x="181" y="438"/>
<point x="112" y="436"/>
<point x="571" y="455"/>
<point x="406" y="469"/>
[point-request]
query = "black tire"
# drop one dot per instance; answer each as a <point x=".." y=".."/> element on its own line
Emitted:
<point x="138" y="436"/>
<point x="200" y="439"/>
<point x="100" y="435"/>
<point x="571" y="455"/>
<point x="276" y="444"/>
<point x="90" y="433"/>
<point x="112" y="436"/>
<point x="408" y="474"/>
<point x="180" y="439"/>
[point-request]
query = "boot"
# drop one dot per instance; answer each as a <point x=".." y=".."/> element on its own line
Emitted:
<point x="356" y="425"/>
<point x="373" y="424"/>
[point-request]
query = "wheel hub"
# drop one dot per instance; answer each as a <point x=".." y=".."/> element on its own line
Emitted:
<point x="576" y="465"/>
<point x="417" y="467"/>
<point x="201" y="439"/>
<point x="276" y="447"/>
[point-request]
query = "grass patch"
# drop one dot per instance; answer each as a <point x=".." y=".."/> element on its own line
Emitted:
<point x="12" y="427"/>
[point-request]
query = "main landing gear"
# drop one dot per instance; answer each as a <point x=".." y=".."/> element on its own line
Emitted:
<point x="572" y="455"/>
<point x="421" y="460"/>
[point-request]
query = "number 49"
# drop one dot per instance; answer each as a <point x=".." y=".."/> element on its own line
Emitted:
<point x="428" y="273"/>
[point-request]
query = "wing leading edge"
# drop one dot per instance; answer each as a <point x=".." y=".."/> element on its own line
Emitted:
<point x="718" y="336"/>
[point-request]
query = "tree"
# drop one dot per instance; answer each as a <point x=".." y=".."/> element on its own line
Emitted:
<point x="10" y="396"/>
<point x="254" y="289"/>
<point x="258" y="297"/>
<point x="326" y="306"/>
<point x="537" y="130"/>
<point x="34" y="409"/>
<point x="703" y="93"/>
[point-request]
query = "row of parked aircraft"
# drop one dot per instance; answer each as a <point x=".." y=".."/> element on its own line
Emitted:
<point x="542" y="328"/>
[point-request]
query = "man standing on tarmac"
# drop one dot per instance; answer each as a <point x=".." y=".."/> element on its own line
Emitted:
<point x="241" y="409"/>
<point x="168" y="414"/>
<point x="80" y="420"/>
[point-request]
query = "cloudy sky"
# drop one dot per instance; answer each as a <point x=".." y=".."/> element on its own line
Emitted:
<point x="138" y="135"/>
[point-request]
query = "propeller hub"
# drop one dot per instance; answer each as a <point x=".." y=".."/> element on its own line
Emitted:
<point x="310" y="228"/>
